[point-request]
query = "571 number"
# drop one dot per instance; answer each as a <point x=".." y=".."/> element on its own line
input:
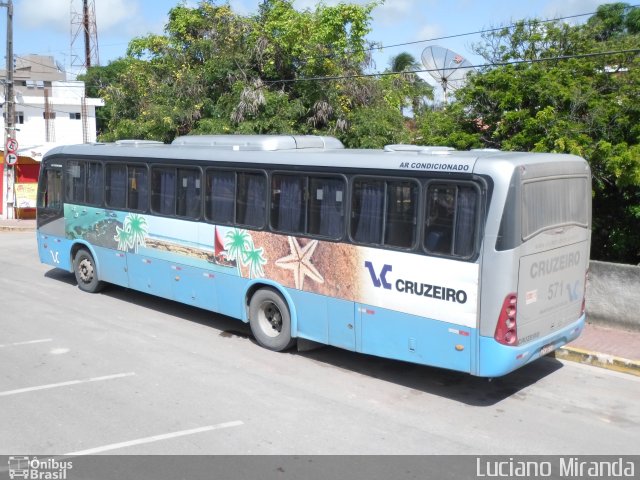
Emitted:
<point x="556" y="290"/>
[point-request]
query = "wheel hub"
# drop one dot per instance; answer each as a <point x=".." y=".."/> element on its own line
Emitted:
<point x="274" y="317"/>
<point x="86" y="271"/>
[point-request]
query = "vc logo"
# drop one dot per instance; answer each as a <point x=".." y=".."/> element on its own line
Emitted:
<point x="382" y="279"/>
<point x="573" y="292"/>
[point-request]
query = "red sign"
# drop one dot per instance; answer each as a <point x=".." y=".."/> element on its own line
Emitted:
<point x="11" y="158"/>
<point x="12" y="145"/>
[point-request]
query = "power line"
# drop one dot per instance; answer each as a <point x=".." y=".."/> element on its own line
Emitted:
<point x="489" y="30"/>
<point x="381" y="47"/>
<point x="433" y="39"/>
<point x="426" y="70"/>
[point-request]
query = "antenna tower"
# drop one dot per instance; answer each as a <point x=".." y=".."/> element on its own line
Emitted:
<point x="83" y="23"/>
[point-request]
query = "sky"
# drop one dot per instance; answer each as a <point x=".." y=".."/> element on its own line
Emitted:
<point x="44" y="26"/>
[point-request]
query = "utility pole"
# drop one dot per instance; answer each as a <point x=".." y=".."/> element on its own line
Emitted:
<point x="9" y="129"/>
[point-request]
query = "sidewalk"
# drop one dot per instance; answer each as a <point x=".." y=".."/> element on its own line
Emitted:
<point x="605" y="346"/>
<point x="601" y="346"/>
<point x="16" y="225"/>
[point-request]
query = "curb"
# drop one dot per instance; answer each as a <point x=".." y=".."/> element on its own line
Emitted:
<point x="603" y="360"/>
<point x="5" y="228"/>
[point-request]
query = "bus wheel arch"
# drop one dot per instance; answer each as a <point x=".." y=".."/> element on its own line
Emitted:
<point x="270" y="318"/>
<point x="85" y="269"/>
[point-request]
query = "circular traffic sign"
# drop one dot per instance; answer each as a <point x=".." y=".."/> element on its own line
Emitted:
<point x="12" y="145"/>
<point x="11" y="158"/>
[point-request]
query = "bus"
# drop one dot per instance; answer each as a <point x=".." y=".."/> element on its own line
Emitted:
<point x="473" y="261"/>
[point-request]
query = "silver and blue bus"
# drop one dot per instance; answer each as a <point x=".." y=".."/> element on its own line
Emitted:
<point x="472" y="261"/>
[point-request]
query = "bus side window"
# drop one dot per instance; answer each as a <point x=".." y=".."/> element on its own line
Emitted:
<point x="250" y="199"/>
<point x="163" y="190"/>
<point x="116" y="186"/>
<point x="451" y="219"/>
<point x="400" y="224"/>
<point x="138" y="190"/>
<point x="326" y="206"/>
<point x="50" y="191"/>
<point x="288" y="203"/>
<point x="439" y="221"/>
<point x="220" y="196"/>
<point x="189" y="193"/>
<point x="367" y="207"/>
<point x="95" y="188"/>
<point x="74" y="175"/>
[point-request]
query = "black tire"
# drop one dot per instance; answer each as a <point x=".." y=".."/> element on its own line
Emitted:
<point x="86" y="272"/>
<point x="270" y="320"/>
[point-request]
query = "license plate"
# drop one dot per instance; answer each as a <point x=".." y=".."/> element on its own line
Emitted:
<point x="547" y="349"/>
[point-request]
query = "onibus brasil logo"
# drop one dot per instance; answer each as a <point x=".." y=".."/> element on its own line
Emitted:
<point x="32" y="468"/>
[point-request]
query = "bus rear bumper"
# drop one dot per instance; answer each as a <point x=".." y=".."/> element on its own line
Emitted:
<point x="497" y="359"/>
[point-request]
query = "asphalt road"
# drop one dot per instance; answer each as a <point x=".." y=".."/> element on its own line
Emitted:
<point x="122" y="372"/>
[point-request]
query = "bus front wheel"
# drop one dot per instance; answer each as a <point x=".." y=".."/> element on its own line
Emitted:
<point x="270" y="320"/>
<point x="86" y="272"/>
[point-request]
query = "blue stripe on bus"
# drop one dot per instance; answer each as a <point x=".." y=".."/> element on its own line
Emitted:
<point x="497" y="359"/>
<point x="382" y="332"/>
<point x="341" y="323"/>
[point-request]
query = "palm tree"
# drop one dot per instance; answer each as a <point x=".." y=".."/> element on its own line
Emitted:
<point x="405" y="64"/>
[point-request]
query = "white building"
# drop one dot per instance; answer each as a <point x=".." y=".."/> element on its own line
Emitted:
<point x="49" y="110"/>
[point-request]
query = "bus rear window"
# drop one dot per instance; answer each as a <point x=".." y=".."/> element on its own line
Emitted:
<point x="552" y="203"/>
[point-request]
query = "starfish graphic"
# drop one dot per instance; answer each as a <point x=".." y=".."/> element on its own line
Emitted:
<point x="299" y="261"/>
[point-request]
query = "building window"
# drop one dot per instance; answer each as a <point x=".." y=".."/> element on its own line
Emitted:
<point x="75" y="116"/>
<point x="49" y="115"/>
<point x="17" y="119"/>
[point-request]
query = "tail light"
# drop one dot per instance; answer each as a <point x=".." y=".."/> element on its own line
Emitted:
<point x="507" y="328"/>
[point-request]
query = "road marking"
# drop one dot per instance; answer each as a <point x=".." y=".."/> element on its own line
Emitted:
<point x="59" y="351"/>
<point x="155" y="438"/>
<point x="65" y="384"/>
<point x="42" y="340"/>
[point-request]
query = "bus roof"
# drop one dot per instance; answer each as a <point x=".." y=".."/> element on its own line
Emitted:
<point x="319" y="151"/>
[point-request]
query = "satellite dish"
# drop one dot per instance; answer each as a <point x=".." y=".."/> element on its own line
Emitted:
<point x="447" y="67"/>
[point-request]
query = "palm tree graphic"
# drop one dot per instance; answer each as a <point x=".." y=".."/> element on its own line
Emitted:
<point x="136" y="225"/>
<point x="133" y="233"/>
<point x="255" y="260"/>
<point x="237" y="244"/>
<point x="123" y="238"/>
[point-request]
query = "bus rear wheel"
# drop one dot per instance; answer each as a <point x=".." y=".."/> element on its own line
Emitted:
<point x="270" y="320"/>
<point x="86" y="272"/>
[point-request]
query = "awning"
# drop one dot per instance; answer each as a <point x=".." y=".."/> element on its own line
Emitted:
<point x="36" y="152"/>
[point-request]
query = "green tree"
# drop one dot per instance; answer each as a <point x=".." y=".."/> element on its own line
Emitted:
<point x="586" y="106"/>
<point x="406" y="89"/>
<point x="214" y="71"/>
